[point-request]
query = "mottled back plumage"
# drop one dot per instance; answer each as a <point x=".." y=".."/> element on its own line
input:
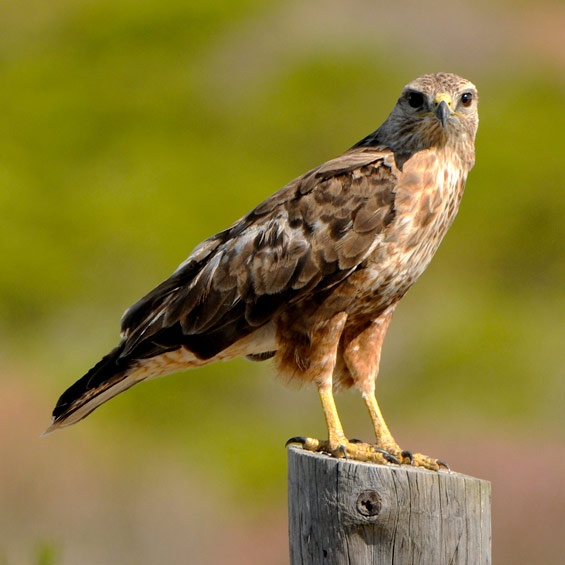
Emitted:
<point x="335" y="248"/>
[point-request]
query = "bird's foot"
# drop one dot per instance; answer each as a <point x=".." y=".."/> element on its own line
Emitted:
<point x="342" y="448"/>
<point x="406" y="457"/>
<point x="360" y="451"/>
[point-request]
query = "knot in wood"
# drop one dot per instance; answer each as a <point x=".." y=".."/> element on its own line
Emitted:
<point x="369" y="503"/>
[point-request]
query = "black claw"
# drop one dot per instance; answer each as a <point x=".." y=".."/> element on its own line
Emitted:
<point x="341" y="449"/>
<point x="443" y="464"/>
<point x="390" y="458"/>
<point x="298" y="439"/>
<point x="409" y="455"/>
<point x="355" y="441"/>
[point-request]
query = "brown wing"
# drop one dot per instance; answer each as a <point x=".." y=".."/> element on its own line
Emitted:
<point x="302" y="240"/>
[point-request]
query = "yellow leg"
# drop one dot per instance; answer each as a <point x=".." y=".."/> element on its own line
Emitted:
<point x="386" y="442"/>
<point x="364" y="368"/>
<point x="336" y="437"/>
<point x="337" y="444"/>
<point x="382" y="433"/>
<point x="324" y="347"/>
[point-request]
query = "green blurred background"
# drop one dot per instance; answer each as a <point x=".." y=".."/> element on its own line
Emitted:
<point x="130" y="130"/>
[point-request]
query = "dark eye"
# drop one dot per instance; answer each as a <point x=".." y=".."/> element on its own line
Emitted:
<point x="415" y="99"/>
<point x="466" y="99"/>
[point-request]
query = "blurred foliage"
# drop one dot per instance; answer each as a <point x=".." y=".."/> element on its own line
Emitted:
<point x="47" y="554"/>
<point x="130" y="132"/>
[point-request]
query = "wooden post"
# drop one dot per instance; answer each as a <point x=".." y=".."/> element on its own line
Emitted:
<point x="347" y="512"/>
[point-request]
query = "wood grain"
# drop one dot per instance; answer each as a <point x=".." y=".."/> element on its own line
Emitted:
<point x="347" y="512"/>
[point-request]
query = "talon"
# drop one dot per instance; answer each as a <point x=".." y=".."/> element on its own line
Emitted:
<point x="407" y="455"/>
<point x="443" y="464"/>
<point x="306" y="442"/>
<point x="355" y="440"/>
<point x="388" y="457"/>
<point x="341" y="449"/>
<point x="298" y="439"/>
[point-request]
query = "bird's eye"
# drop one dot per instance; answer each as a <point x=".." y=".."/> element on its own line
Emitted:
<point x="415" y="99"/>
<point x="466" y="99"/>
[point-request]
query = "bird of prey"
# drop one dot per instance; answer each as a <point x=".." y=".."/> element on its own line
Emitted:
<point x="312" y="275"/>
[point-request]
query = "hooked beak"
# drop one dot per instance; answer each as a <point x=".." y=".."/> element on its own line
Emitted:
<point x="442" y="108"/>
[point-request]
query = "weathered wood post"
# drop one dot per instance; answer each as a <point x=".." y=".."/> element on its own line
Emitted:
<point x="346" y="512"/>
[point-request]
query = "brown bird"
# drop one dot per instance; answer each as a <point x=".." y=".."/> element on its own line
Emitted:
<point x="311" y="276"/>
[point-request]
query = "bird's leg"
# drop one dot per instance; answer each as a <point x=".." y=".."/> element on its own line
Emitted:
<point x="324" y="343"/>
<point x="362" y="356"/>
<point x="336" y="437"/>
<point x="386" y="443"/>
<point x="324" y="348"/>
<point x="382" y="433"/>
<point x="336" y="444"/>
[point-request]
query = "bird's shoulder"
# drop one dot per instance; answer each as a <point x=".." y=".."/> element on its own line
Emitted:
<point x="324" y="198"/>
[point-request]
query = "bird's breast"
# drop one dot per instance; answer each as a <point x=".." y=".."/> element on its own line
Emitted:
<point x="428" y="194"/>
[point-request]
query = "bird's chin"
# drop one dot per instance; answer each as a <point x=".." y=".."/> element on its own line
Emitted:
<point x="433" y="134"/>
<point x="442" y="131"/>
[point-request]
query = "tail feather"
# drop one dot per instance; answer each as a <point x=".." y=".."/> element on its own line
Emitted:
<point x="106" y="379"/>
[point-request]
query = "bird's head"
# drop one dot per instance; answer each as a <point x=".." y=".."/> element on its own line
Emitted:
<point x="434" y="110"/>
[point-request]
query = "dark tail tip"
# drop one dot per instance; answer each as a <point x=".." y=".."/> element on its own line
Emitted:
<point x="85" y="388"/>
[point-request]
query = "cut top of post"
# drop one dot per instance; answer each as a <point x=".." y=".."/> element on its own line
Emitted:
<point x="345" y="512"/>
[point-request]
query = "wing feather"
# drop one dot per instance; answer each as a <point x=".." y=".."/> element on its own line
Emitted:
<point x="302" y="240"/>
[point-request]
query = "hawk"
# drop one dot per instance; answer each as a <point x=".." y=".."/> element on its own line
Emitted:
<point x="311" y="276"/>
